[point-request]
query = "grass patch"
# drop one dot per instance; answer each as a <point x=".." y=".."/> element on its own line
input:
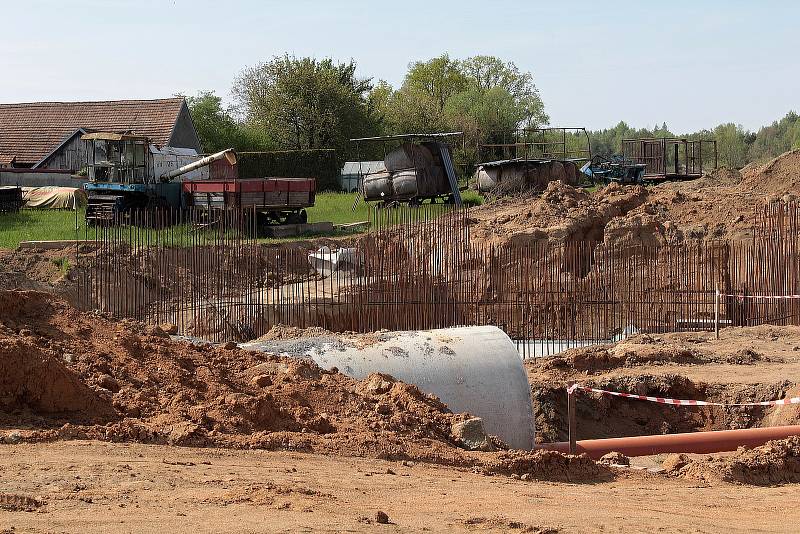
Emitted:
<point x="63" y="265"/>
<point x="37" y="225"/>
<point x="52" y="225"/>
<point x="471" y="198"/>
<point x="338" y="209"/>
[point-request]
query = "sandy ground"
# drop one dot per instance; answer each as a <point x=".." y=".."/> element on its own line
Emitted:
<point x="102" y="487"/>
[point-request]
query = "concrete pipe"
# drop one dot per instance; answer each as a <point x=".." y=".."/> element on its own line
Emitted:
<point x="473" y="369"/>
<point x="691" y="442"/>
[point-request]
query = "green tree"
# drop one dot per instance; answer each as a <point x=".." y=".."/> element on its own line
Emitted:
<point x="306" y="103"/>
<point x="609" y="141"/>
<point x="218" y="129"/>
<point x="489" y="74"/>
<point x="418" y="106"/>
<point x="775" y="139"/>
<point x="731" y="145"/>
<point x="380" y="103"/>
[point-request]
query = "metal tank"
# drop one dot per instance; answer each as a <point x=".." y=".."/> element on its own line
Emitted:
<point x="472" y="369"/>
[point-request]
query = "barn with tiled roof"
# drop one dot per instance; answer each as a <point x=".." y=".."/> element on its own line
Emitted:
<point x="46" y="135"/>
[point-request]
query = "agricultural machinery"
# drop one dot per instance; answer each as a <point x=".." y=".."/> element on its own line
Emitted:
<point x="126" y="173"/>
<point x="614" y="169"/>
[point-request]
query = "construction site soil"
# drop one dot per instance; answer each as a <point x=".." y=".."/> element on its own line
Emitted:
<point x="752" y="364"/>
<point x="721" y="205"/>
<point x="72" y="377"/>
<point x="106" y="424"/>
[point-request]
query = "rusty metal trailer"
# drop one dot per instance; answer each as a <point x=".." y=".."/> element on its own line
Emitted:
<point x="276" y="200"/>
<point x="671" y="158"/>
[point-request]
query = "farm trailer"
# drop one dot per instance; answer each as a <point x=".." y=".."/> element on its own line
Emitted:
<point x="276" y="200"/>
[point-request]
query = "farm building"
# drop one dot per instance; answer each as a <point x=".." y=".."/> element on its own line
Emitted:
<point x="47" y="135"/>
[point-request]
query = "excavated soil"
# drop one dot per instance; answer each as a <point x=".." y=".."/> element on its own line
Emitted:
<point x="776" y="462"/>
<point x="43" y="270"/>
<point x="721" y="205"/>
<point x="561" y="213"/>
<point x="71" y="375"/>
<point x="751" y="364"/>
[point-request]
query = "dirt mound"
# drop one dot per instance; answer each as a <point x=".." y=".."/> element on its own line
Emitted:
<point x="281" y="332"/>
<point x="778" y="176"/>
<point x="33" y="379"/>
<point x="43" y="270"/>
<point x="721" y="205"/>
<point x="547" y="465"/>
<point x="561" y="213"/>
<point x="69" y="375"/>
<point x="776" y="462"/>
<point x="634" y="351"/>
<point x="722" y="176"/>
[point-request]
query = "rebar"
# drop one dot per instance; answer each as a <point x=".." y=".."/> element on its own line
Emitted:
<point x="418" y="269"/>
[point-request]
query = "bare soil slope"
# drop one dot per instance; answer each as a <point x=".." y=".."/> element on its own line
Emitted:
<point x="721" y="205"/>
<point x="745" y="365"/>
<point x="70" y="375"/>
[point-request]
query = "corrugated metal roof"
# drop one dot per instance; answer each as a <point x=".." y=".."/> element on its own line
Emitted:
<point x="409" y="136"/>
<point x="363" y="167"/>
<point x="509" y="162"/>
<point x="31" y="131"/>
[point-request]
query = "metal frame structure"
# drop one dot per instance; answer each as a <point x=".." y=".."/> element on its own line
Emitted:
<point x="671" y="158"/>
<point x="534" y="144"/>
<point x="420" y="269"/>
<point x="511" y="161"/>
<point x="388" y="140"/>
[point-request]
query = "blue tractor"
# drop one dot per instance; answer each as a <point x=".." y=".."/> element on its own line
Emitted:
<point x="126" y="172"/>
<point x="614" y="169"/>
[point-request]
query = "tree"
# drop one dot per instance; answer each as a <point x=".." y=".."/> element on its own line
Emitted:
<point x="418" y="106"/>
<point x="731" y="145"/>
<point x="218" y="129"/>
<point x="775" y="139"/>
<point x="478" y="94"/>
<point x="488" y="73"/>
<point x="306" y="103"/>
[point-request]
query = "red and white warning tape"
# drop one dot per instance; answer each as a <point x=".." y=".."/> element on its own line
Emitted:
<point x="765" y="297"/>
<point x="681" y="402"/>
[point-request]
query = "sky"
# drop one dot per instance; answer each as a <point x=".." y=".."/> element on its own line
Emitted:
<point x="692" y="64"/>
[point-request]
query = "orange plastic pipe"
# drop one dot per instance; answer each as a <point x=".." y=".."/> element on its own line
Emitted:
<point x="696" y="442"/>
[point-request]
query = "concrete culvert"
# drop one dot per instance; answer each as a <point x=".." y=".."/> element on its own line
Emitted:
<point x="473" y="369"/>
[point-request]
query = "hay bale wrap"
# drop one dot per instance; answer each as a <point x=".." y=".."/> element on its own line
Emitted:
<point x="377" y="185"/>
<point x="408" y="156"/>
<point x="405" y="182"/>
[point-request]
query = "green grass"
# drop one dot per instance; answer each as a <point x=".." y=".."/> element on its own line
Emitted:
<point x="63" y="265"/>
<point x="471" y="198"/>
<point x="38" y="225"/>
<point x="48" y="225"/>
<point x="338" y="209"/>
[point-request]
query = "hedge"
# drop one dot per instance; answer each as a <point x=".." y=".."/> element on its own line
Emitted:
<point x="322" y="164"/>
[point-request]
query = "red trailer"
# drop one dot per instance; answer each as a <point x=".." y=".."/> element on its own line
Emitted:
<point x="279" y="200"/>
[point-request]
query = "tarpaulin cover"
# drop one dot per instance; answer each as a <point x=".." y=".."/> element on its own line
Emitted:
<point x="54" y="198"/>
